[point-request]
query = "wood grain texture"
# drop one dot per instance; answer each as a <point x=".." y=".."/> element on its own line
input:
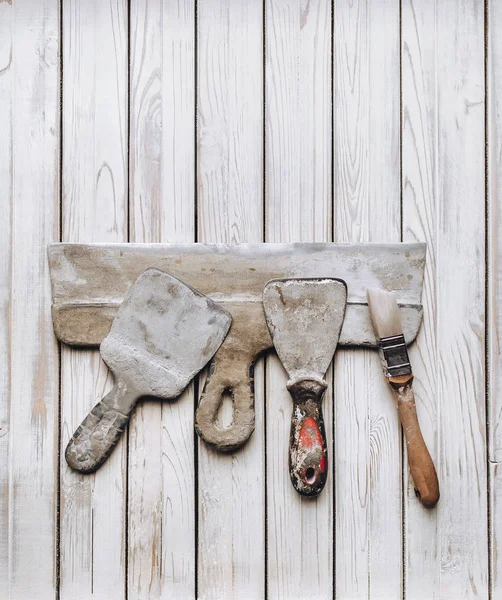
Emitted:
<point x="494" y="317"/>
<point x="460" y="218"/>
<point x="29" y="182"/>
<point x="298" y="208"/>
<point x="366" y="132"/>
<point x="93" y="515"/>
<point x="446" y="551"/>
<point x="162" y="158"/>
<point x="6" y="92"/>
<point x="231" y="504"/>
<point x="420" y="222"/>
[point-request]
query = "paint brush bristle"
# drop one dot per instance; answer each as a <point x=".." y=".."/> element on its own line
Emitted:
<point x="385" y="313"/>
<point x="386" y="319"/>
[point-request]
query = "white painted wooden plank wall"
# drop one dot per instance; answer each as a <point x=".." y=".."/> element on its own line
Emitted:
<point x="494" y="305"/>
<point x="366" y="209"/>
<point x="420" y="222"/>
<point x="461" y="300"/>
<point x="231" y="491"/>
<point x="232" y="121"/>
<point x="29" y="183"/>
<point x="298" y="208"/>
<point x="94" y="206"/>
<point x="161" y="508"/>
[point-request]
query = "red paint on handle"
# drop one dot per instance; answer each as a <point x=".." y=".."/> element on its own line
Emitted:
<point x="310" y="440"/>
<point x="322" y="464"/>
<point x="308" y="461"/>
<point x="310" y="435"/>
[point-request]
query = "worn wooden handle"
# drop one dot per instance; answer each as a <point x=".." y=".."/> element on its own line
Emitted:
<point x="100" y="431"/>
<point x="308" y="454"/>
<point x="422" y="468"/>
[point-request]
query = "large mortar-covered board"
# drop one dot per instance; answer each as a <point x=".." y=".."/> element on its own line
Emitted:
<point x="89" y="281"/>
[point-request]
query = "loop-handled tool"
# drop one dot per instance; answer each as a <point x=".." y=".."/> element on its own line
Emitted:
<point x="232" y="373"/>
<point x="305" y="317"/>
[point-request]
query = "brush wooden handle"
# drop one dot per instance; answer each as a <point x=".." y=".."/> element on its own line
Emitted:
<point x="308" y="454"/>
<point x="100" y="431"/>
<point x="422" y="468"/>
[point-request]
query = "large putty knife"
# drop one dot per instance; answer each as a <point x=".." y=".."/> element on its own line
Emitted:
<point x="305" y="317"/>
<point x="162" y="336"/>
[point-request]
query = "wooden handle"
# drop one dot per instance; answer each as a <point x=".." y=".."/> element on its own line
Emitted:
<point x="100" y="431"/>
<point x="422" y="468"/>
<point x="308" y="454"/>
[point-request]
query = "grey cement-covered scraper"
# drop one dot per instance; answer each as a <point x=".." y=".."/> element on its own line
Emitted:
<point x="162" y="336"/>
<point x="305" y="317"/>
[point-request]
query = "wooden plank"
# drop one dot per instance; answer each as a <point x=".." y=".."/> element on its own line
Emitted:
<point x="494" y="317"/>
<point x="29" y="118"/>
<point x="460" y="218"/>
<point x="162" y="157"/>
<point x="231" y="515"/>
<point x="6" y="189"/>
<point x="420" y="206"/>
<point x="367" y="208"/>
<point x="494" y="533"/>
<point x="298" y="208"/>
<point x="93" y="511"/>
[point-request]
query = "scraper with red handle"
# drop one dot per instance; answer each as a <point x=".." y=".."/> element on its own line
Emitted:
<point x="305" y="317"/>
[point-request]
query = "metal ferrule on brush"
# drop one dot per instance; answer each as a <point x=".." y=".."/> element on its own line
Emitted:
<point x="394" y="356"/>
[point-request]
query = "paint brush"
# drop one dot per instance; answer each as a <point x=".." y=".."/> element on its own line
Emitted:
<point x="386" y="319"/>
